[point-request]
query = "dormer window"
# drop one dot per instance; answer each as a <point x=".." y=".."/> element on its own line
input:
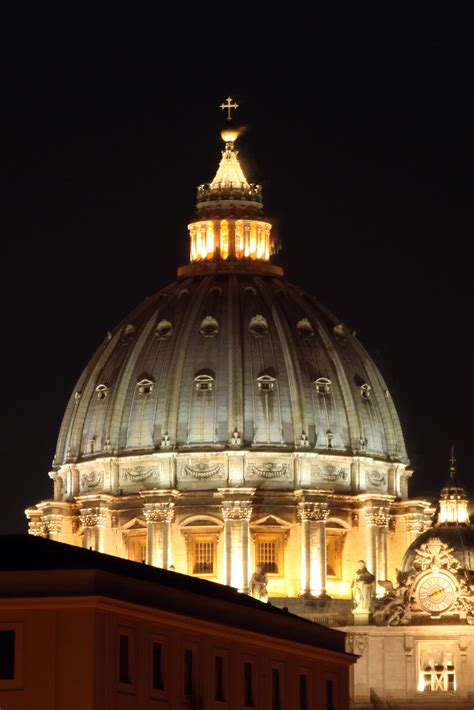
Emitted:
<point x="102" y="391"/>
<point x="209" y="327"/>
<point x="365" y="390"/>
<point x="323" y="385"/>
<point x="164" y="329"/>
<point x="145" y="386"/>
<point x="258" y="326"/>
<point x="305" y="329"/>
<point x="204" y="381"/>
<point x="338" y="331"/>
<point x="128" y="331"/>
<point x="266" y="383"/>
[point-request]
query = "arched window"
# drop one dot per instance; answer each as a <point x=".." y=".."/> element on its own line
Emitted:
<point x="258" y="326"/>
<point x="204" y="381"/>
<point x="209" y="327"/>
<point x="323" y="385"/>
<point x="102" y="391"/>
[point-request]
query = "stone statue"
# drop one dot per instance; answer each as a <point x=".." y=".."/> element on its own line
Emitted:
<point x="362" y="588"/>
<point x="258" y="585"/>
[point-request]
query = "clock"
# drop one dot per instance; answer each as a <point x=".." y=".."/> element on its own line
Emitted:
<point x="436" y="592"/>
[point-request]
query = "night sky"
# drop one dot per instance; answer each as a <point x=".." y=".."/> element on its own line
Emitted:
<point x="366" y="164"/>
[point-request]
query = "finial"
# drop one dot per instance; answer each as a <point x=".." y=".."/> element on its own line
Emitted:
<point x="228" y="106"/>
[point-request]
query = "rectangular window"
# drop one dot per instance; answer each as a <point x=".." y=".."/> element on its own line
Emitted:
<point x="204" y="557"/>
<point x="334" y="546"/>
<point x="329" y="695"/>
<point x="124" y="659"/>
<point x="437" y="671"/>
<point x="276" y="691"/>
<point x="157" y="666"/>
<point x="248" y="685"/>
<point x="219" y="678"/>
<point x="303" y="692"/>
<point x="188" y="672"/>
<point x="7" y="654"/>
<point x="269" y="552"/>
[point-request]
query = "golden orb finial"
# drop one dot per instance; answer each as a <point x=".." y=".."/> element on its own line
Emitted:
<point x="230" y="135"/>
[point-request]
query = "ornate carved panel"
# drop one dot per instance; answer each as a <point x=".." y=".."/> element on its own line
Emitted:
<point x="139" y="474"/>
<point x="268" y="469"/>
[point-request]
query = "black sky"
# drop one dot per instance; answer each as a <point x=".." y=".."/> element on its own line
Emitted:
<point x="365" y="156"/>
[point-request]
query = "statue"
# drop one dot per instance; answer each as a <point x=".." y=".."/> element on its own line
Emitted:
<point x="258" y="585"/>
<point x="362" y="588"/>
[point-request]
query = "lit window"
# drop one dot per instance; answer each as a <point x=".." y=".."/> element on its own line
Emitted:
<point x="269" y="552"/>
<point x="437" y="673"/>
<point x="164" y="329"/>
<point x="101" y="391"/>
<point x="209" y="327"/>
<point x="203" y="557"/>
<point x="323" y="385"/>
<point x="136" y="545"/>
<point x="334" y="545"/>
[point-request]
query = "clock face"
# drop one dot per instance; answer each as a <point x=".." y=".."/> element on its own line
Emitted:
<point x="436" y="593"/>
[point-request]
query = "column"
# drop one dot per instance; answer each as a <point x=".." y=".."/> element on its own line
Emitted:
<point x="382" y="521"/>
<point x="93" y="521"/>
<point x="371" y="553"/>
<point x="313" y="516"/>
<point x="58" y="484"/>
<point x="321" y="512"/>
<point x="304" y="515"/>
<point x="159" y="517"/>
<point x="237" y="514"/>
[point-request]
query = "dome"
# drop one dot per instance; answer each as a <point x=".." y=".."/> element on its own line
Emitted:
<point x="458" y="537"/>
<point x="226" y="355"/>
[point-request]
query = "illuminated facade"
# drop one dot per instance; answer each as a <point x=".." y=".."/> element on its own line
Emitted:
<point x="232" y="422"/>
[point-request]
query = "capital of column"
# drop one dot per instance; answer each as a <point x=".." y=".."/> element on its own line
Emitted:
<point x="52" y="524"/>
<point x="414" y="522"/>
<point x="314" y="510"/>
<point x="93" y="517"/>
<point x="236" y="510"/>
<point x="379" y="516"/>
<point x="159" y="512"/>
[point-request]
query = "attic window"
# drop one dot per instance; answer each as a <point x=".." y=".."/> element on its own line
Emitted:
<point x="338" y="331"/>
<point x="258" y="326"/>
<point x="209" y="327"/>
<point x="145" y="386"/>
<point x="101" y="391"/>
<point x="304" y="328"/>
<point x="323" y="385"/>
<point x="365" y="391"/>
<point x="164" y="329"/>
<point x="204" y="382"/>
<point x="266" y="383"/>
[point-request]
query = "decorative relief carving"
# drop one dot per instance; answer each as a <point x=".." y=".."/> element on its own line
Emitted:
<point x="377" y="516"/>
<point x="93" y="517"/>
<point x="317" y="511"/>
<point x="139" y="474"/>
<point x="203" y="470"/>
<point x="36" y="527"/>
<point x="92" y="479"/>
<point x="268" y="470"/>
<point x="356" y="643"/>
<point x="52" y="524"/>
<point x="330" y="473"/>
<point x="236" y="510"/>
<point x="414" y="523"/>
<point x="159" y="512"/>
<point x="377" y="479"/>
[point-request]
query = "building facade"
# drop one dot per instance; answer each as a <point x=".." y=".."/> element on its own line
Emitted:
<point x="232" y="425"/>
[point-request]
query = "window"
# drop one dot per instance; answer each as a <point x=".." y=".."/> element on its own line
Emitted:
<point x="125" y="675"/>
<point x="209" y="327"/>
<point x="365" y="391"/>
<point x="136" y="545"/>
<point x="248" y="685"/>
<point x="437" y="672"/>
<point x="329" y="695"/>
<point x="157" y="666"/>
<point x="145" y="386"/>
<point x="204" y="381"/>
<point x="303" y="692"/>
<point x="7" y="654"/>
<point x="323" y="385"/>
<point x="276" y="690"/>
<point x="202" y="559"/>
<point x="305" y="329"/>
<point x="266" y="383"/>
<point x="334" y="545"/>
<point x="188" y="672"/>
<point x="164" y="329"/>
<point x="219" y="693"/>
<point x="258" y="326"/>
<point x="269" y="552"/>
<point x="101" y="391"/>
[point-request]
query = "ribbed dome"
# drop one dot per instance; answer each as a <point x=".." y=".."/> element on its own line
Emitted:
<point x="230" y="356"/>
<point x="458" y="537"/>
